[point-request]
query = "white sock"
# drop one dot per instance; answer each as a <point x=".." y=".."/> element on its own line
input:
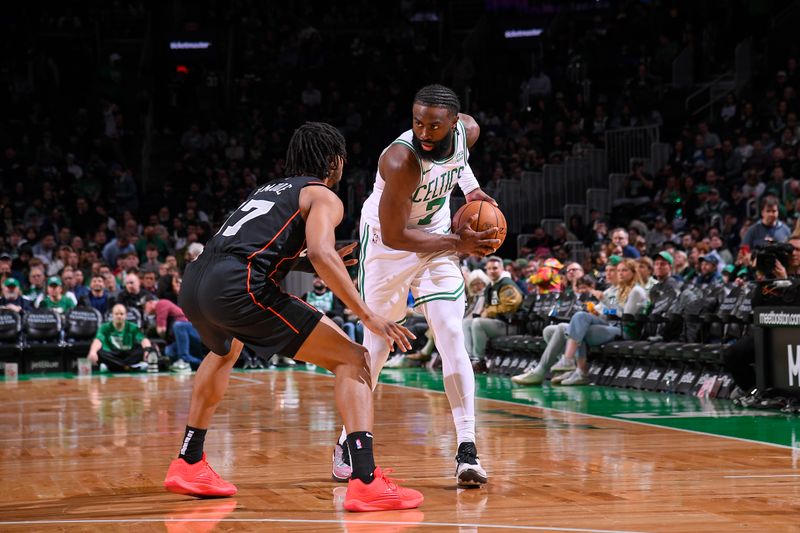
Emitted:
<point x="343" y="436"/>
<point x="465" y="428"/>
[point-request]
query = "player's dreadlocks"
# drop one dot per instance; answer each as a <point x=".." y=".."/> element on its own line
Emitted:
<point x="313" y="147"/>
<point x="438" y="96"/>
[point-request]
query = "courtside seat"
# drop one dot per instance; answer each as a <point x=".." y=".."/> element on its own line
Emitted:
<point x="10" y="338"/>
<point x="80" y="328"/>
<point x="43" y="348"/>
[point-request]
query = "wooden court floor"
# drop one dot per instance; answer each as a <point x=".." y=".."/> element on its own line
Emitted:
<point x="90" y="454"/>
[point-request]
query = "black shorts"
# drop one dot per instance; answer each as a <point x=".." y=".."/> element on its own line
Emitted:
<point x="215" y="298"/>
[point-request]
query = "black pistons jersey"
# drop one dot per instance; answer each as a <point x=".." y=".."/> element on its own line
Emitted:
<point x="267" y="231"/>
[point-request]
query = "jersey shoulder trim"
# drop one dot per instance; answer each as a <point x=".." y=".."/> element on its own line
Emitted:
<point x="410" y="146"/>
<point x="318" y="183"/>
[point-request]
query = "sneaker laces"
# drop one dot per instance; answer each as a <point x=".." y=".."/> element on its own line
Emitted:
<point x="391" y="482"/>
<point x="214" y="474"/>
<point x="467" y="453"/>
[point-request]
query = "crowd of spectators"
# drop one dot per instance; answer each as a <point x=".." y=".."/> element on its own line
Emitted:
<point x="80" y="227"/>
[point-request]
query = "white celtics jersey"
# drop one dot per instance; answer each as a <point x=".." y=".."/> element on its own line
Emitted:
<point x="430" y="203"/>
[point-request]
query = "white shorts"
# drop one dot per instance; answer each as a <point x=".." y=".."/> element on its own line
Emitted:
<point x="385" y="276"/>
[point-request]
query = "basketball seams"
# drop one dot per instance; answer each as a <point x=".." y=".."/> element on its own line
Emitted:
<point x="496" y="223"/>
<point x="470" y="208"/>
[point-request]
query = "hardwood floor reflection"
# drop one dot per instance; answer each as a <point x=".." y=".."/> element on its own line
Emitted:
<point x="90" y="455"/>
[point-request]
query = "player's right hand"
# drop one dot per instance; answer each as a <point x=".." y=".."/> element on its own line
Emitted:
<point x="476" y="242"/>
<point x="391" y="332"/>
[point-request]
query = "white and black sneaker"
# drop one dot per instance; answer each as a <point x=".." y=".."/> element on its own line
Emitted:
<point x="469" y="472"/>
<point x="341" y="470"/>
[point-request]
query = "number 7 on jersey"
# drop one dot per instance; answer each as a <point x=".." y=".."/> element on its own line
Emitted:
<point x="256" y="208"/>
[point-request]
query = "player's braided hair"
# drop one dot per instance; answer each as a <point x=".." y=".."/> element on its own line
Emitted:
<point x="312" y="149"/>
<point x="438" y="96"/>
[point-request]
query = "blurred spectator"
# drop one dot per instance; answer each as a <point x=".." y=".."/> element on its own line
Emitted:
<point x="111" y="285"/>
<point x="718" y="247"/>
<point x="12" y="297"/>
<point x="714" y="206"/>
<point x="171" y="323"/>
<point x="639" y="188"/>
<point x="133" y="295"/>
<point x="148" y="240"/>
<point x="7" y="268"/>
<point x="125" y="189"/>
<point x="574" y="274"/>
<point x="502" y="299"/>
<point x="683" y="270"/>
<point x="322" y="298"/>
<point x="538" y="85"/>
<point x="538" y="241"/>
<point x="708" y="274"/>
<point x="769" y="228"/>
<point x="645" y="268"/>
<point x="149" y="282"/>
<point x="69" y="281"/>
<point x="477" y="281"/>
<point x="55" y="299"/>
<point x="151" y="262"/>
<point x="523" y="271"/>
<point x="98" y="297"/>
<point x="619" y="238"/>
<point x="120" y="245"/>
<point x="662" y="272"/>
<point x="45" y="249"/>
<point x="36" y="282"/>
<point x="586" y="328"/>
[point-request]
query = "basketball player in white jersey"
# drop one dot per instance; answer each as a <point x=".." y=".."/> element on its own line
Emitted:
<point x="407" y="244"/>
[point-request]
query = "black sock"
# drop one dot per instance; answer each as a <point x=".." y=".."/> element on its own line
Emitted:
<point x="192" y="449"/>
<point x="360" y="446"/>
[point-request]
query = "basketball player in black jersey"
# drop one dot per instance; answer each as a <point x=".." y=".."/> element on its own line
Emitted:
<point x="231" y="294"/>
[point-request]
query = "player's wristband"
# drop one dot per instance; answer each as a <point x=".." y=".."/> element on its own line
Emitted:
<point x="468" y="182"/>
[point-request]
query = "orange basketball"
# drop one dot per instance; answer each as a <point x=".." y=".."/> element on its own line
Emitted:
<point x="488" y="217"/>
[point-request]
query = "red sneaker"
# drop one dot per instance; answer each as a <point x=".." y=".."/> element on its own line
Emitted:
<point x="383" y="494"/>
<point x="198" y="479"/>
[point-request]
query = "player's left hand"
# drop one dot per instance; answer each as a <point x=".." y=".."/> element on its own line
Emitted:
<point x="478" y="194"/>
<point x="347" y="250"/>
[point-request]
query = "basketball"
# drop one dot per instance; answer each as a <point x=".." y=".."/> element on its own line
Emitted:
<point x="489" y="216"/>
